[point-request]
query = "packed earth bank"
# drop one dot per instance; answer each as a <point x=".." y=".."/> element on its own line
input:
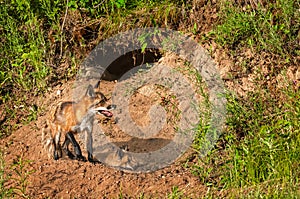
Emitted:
<point x="67" y="178"/>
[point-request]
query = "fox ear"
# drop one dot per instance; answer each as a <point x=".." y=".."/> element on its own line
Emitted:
<point x="97" y="84"/>
<point x="90" y="91"/>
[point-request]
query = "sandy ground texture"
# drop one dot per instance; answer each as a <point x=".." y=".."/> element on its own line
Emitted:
<point x="43" y="177"/>
<point x="36" y="176"/>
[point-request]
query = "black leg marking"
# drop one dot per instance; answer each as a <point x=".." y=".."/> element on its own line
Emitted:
<point x="76" y="146"/>
<point x="66" y="148"/>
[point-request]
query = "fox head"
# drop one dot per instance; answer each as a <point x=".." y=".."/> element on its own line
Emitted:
<point x="97" y="100"/>
<point x="94" y="96"/>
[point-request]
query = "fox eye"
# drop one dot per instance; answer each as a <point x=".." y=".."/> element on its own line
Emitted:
<point x="102" y="101"/>
<point x="101" y="97"/>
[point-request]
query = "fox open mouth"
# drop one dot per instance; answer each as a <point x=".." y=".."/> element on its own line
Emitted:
<point x="106" y="111"/>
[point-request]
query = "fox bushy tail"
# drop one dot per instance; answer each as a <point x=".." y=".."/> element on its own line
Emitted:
<point x="48" y="140"/>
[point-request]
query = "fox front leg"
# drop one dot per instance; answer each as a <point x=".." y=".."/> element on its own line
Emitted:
<point x="66" y="148"/>
<point x="78" y="154"/>
<point x="85" y="126"/>
<point x="89" y="144"/>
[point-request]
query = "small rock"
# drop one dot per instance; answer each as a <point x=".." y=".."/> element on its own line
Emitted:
<point x="58" y="92"/>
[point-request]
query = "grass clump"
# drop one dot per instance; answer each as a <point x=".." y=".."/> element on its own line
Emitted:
<point x="258" y="154"/>
<point x="4" y="191"/>
<point x="43" y="42"/>
<point x="14" y="179"/>
<point x="22" y="67"/>
<point x="272" y="26"/>
<point x="265" y="143"/>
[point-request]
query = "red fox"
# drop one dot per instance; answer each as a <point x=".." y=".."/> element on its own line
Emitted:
<point x="70" y="118"/>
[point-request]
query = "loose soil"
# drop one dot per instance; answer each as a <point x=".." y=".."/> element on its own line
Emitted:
<point x="66" y="178"/>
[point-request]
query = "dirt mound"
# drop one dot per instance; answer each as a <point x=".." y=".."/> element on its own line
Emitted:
<point x="67" y="178"/>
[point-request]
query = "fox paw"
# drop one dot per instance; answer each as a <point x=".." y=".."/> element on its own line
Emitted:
<point x="92" y="160"/>
<point x="56" y="155"/>
<point x="81" y="158"/>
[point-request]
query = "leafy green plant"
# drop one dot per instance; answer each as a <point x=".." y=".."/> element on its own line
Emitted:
<point x="37" y="37"/>
<point x="262" y="150"/>
<point x="4" y="191"/>
<point x="118" y="3"/>
<point x="176" y="193"/>
<point x="15" y="180"/>
<point x="272" y="27"/>
<point x="19" y="168"/>
<point x="23" y="46"/>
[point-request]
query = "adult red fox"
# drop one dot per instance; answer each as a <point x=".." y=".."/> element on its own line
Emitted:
<point x="70" y="118"/>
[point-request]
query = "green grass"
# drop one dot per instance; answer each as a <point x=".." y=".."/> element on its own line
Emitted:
<point x="43" y="42"/>
<point x="175" y="194"/>
<point x="258" y="154"/>
<point x="5" y="192"/>
<point x="23" y="67"/>
<point x="273" y="27"/>
<point x="265" y="143"/>
<point x="14" y="178"/>
<point x="259" y="151"/>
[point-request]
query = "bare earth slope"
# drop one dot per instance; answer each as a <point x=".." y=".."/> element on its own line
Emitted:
<point x="67" y="178"/>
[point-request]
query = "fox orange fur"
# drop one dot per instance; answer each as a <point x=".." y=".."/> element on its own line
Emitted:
<point x="70" y="118"/>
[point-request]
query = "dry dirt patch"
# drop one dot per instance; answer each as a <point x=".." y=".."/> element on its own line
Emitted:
<point x="66" y="178"/>
<point x="139" y="106"/>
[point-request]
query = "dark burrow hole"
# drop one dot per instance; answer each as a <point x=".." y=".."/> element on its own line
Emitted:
<point x="130" y="60"/>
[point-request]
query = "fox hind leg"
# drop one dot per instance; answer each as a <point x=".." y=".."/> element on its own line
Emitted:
<point x="57" y="148"/>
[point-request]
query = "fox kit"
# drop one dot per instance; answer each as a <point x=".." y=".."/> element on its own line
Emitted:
<point x="70" y="118"/>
